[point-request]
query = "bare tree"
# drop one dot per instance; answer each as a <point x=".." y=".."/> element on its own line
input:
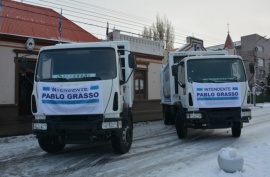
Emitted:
<point x="169" y="35"/>
<point x="162" y="29"/>
<point x="146" y="33"/>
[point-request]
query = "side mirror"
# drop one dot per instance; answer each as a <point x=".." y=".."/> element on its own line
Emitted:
<point x="132" y="61"/>
<point x="23" y="65"/>
<point x="251" y="68"/>
<point x="174" y="70"/>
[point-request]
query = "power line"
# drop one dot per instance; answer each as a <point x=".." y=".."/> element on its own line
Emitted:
<point x="77" y="17"/>
<point x="176" y="33"/>
<point x="70" y="28"/>
<point x="181" y="34"/>
<point x="122" y="13"/>
<point x="111" y="11"/>
<point x="88" y="11"/>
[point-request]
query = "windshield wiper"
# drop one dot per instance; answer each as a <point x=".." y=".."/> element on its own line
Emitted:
<point x="234" y="79"/>
<point x="85" y="79"/>
<point x="209" y="81"/>
<point x="54" y="79"/>
<point x="70" y="79"/>
<point x="220" y="80"/>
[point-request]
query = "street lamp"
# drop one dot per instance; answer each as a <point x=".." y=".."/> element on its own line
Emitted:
<point x="255" y="68"/>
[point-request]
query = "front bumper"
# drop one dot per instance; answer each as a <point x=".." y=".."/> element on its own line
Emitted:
<point x="76" y="129"/>
<point x="216" y="117"/>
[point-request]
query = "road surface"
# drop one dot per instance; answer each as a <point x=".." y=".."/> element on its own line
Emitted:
<point x="156" y="151"/>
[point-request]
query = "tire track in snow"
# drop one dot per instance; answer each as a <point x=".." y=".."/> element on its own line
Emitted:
<point x="97" y="159"/>
<point x="184" y="149"/>
<point x="85" y="160"/>
<point x="64" y="162"/>
<point x="154" y="132"/>
<point x="221" y="137"/>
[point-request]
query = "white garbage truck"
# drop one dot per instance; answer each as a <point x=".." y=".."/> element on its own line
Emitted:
<point x="205" y="90"/>
<point x="83" y="92"/>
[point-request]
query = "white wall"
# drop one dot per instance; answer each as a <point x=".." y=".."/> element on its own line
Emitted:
<point x="7" y="70"/>
<point x="140" y="45"/>
<point x="154" y="81"/>
<point x="145" y="46"/>
<point x="7" y="76"/>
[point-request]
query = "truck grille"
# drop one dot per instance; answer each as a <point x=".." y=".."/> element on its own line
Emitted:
<point x="74" y="118"/>
<point x="215" y="114"/>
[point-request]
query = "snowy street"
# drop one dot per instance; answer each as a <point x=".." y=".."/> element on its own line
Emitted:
<point x="156" y="151"/>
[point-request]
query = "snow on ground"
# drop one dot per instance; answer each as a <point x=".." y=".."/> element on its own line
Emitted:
<point x="254" y="147"/>
<point x="156" y="151"/>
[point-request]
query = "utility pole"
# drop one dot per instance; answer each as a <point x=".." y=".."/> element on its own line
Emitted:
<point x="255" y="77"/>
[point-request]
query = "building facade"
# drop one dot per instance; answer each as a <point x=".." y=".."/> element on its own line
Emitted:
<point x="149" y="56"/>
<point x="192" y="44"/>
<point x="253" y="49"/>
<point x="256" y="49"/>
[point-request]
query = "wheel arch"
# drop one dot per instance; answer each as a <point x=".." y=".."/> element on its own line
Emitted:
<point x="126" y="114"/>
<point x="179" y="107"/>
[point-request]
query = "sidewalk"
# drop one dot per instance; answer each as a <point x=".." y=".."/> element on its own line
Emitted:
<point x="260" y="105"/>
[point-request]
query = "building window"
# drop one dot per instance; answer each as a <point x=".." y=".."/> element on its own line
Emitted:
<point x="196" y="47"/>
<point x="261" y="74"/>
<point x="260" y="48"/>
<point x="261" y="62"/>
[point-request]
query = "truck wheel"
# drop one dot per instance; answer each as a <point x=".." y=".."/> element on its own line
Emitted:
<point x="166" y="117"/>
<point x="181" y="129"/>
<point x="172" y="118"/>
<point x="236" y="129"/>
<point x="121" y="141"/>
<point x="50" y="144"/>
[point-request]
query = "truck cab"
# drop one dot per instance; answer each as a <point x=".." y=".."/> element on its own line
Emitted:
<point x="83" y="93"/>
<point x="210" y="92"/>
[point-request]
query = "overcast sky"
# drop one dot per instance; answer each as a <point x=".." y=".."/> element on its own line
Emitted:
<point x="205" y="19"/>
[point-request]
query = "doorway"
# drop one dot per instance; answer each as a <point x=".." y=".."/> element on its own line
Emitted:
<point x="140" y="86"/>
<point x="25" y="90"/>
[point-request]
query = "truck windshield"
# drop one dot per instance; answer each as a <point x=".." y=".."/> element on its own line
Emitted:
<point x="76" y="64"/>
<point x="215" y="70"/>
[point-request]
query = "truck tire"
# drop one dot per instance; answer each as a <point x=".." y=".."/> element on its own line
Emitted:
<point x="168" y="116"/>
<point x="236" y="129"/>
<point x="50" y="144"/>
<point x="172" y="118"/>
<point x="181" y="129"/>
<point x="122" y="140"/>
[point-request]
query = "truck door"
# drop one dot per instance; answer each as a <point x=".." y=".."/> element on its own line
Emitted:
<point x="182" y="81"/>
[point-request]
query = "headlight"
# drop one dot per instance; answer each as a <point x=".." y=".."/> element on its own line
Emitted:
<point x="39" y="126"/>
<point x="246" y="114"/>
<point x="194" y="115"/>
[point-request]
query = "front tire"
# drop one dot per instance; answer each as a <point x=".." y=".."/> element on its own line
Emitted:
<point x="236" y="129"/>
<point x="181" y="129"/>
<point x="122" y="140"/>
<point x="50" y="144"/>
